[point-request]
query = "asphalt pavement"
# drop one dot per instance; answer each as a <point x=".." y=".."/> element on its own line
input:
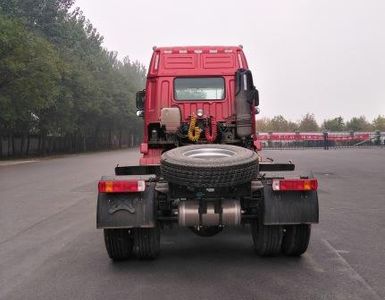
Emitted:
<point x="50" y="249"/>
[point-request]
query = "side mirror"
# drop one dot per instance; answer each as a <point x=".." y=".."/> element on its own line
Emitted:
<point x="244" y="83"/>
<point x="256" y="97"/>
<point x="140" y="96"/>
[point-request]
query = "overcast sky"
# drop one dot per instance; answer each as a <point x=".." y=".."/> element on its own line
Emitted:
<point x="325" y="57"/>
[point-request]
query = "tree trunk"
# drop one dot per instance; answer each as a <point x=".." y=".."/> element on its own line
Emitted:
<point x="96" y="137"/>
<point x="9" y="145"/>
<point x="73" y="142"/>
<point x="49" y="145"/>
<point x="39" y="144"/>
<point x="22" y="143"/>
<point x="120" y="138"/>
<point x="128" y="139"/>
<point x="68" y="144"/>
<point x="13" y="145"/>
<point x="84" y="145"/>
<point x="28" y="144"/>
<point x="43" y="143"/>
<point x="53" y="146"/>
<point x="109" y="138"/>
<point x="1" y="146"/>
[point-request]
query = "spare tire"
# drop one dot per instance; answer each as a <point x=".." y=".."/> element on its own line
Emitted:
<point x="209" y="165"/>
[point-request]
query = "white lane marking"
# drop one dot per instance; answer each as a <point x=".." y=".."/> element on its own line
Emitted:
<point x="315" y="266"/>
<point x="350" y="271"/>
<point x="13" y="163"/>
<point x="343" y="251"/>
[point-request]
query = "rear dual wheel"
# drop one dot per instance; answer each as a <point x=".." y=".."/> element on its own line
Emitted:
<point x="147" y="242"/>
<point x="271" y="240"/>
<point x="267" y="238"/>
<point x="296" y="239"/>
<point x="121" y="243"/>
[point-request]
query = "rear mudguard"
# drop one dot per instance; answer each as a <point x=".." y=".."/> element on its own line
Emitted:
<point x="289" y="207"/>
<point x="126" y="210"/>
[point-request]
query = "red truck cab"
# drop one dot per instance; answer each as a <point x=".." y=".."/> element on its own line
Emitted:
<point x="194" y="84"/>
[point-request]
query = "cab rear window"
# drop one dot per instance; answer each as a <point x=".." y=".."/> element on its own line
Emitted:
<point x="199" y="88"/>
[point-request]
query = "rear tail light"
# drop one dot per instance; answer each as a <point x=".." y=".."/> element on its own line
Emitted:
<point x="294" y="184"/>
<point x="121" y="186"/>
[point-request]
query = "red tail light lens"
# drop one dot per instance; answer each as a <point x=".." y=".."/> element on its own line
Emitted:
<point x="294" y="184"/>
<point x="121" y="186"/>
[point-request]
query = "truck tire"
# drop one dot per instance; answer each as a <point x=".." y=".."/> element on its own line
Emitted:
<point x="206" y="231"/>
<point x="118" y="243"/>
<point x="147" y="242"/>
<point x="267" y="238"/>
<point x="209" y="165"/>
<point x="296" y="239"/>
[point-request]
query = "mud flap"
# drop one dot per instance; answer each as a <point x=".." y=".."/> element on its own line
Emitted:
<point x="126" y="210"/>
<point x="290" y="207"/>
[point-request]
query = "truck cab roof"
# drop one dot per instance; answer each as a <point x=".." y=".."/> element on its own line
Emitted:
<point x="196" y="61"/>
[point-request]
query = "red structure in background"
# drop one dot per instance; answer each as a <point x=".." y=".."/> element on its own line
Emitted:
<point x="320" y="139"/>
<point x="314" y="136"/>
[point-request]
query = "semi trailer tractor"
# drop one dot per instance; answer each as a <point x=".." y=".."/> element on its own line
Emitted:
<point x="200" y="165"/>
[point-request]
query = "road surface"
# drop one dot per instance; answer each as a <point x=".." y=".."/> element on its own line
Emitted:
<point x="50" y="249"/>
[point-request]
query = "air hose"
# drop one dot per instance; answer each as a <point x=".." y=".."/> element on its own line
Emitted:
<point x="194" y="132"/>
<point x="210" y="137"/>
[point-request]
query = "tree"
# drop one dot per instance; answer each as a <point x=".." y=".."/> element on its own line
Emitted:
<point x="57" y="80"/>
<point x="29" y="76"/>
<point x="335" y="124"/>
<point x="308" y="123"/>
<point x="358" y="124"/>
<point x="262" y="124"/>
<point x="379" y="123"/>
<point x="280" y="124"/>
<point x="40" y="15"/>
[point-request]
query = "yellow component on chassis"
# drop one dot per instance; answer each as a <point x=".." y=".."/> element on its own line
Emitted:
<point x="194" y="132"/>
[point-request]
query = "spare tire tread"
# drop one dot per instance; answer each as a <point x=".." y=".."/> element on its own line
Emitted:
<point x="229" y="171"/>
<point x="214" y="178"/>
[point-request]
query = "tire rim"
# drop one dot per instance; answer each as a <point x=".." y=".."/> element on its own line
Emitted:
<point x="209" y="153"/>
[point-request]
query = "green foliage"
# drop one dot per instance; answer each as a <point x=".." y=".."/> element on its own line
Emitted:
<point x="279" y="123"/>
<point x="276" y="124"/>
<point x="358" y="124"/>
<point x="56" y="78"/>
<point x="308" y="123"/>
<point x="379" y="123"/>
<point x="335" y="124"/>
<point x="262" y="124"/>
<point x="29" y="75"/>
